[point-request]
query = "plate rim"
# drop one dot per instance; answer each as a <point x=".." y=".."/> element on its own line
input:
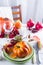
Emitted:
<point x="23" y="59"/>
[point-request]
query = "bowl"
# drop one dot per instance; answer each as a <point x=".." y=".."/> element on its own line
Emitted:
<point x="28" y="57"/>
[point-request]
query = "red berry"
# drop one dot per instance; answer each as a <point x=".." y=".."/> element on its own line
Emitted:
<point x="2" y="35"/>
<point x="13" y="41"/>
<point x="38" y="26"/>
<point x="30" y="23"/>
<point x="15" y="30"/>
<point x="9" y="45"/>
<point x="34" y="30"/>
<point x="14" y="33"/>
<point x="11" y="35"/>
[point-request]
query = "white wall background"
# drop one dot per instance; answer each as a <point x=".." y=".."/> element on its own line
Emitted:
<point x="30" y="8"/>
<point x="4" y="2"/>
<point x="27" y="7"/>
<point x="12" y="2"/>
<point x="7" y="14"/>
<point x="39" y="12"/>
<point x="23" y="8"/>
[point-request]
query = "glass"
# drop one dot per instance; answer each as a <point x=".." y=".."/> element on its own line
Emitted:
<point x="7" y="31"/>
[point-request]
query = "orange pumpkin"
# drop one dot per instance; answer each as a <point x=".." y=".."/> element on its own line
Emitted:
<point x="18" y="24"/>
<point x="21" y="49"/>
<point x="13" y="55"/>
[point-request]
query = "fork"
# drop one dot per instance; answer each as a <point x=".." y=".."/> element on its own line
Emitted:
<point x="37" y="55"/>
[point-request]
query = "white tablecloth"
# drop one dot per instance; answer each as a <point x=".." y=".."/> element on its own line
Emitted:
<point x="3" y="62"/>
<point x="6" y="12"/>
<point x="39" y="34"/>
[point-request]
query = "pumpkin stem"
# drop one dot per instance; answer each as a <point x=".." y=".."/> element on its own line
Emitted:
<point x="18" y="46"/>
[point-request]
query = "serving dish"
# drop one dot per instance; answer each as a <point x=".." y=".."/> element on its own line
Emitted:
<point x="28" y="57"/>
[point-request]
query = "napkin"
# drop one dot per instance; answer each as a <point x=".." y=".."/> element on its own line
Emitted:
<point x="41" y="55"/>
<point x="3" y="42"/>
<point x="1" y="52"/>
<point x="40" y="35"/>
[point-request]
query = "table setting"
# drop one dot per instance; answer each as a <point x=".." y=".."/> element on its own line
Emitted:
<point x="21" y="43"/>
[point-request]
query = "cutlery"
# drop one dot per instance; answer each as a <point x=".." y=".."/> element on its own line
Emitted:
<point x="34" y="57"/>
<point x="37" y="55"/>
